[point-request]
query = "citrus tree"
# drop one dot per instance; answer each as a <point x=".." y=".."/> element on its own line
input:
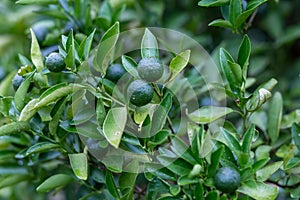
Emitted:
<point x="101" y="109"/>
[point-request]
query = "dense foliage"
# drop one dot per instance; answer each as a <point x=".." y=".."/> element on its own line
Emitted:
<point x="93" y="105"/>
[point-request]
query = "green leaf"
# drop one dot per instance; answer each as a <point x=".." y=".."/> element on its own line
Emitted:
<point x="28" y="112"/>
<point x="160" y="114"/>
<point x="182" y="150"/>
<point x="178" y="63"/>
<point x="100" y="112"/>
<point x="21" y="93"/>
<point x="231" y="70"/>
<point x="295" y="135"/>
<point x="231" y="140"/>
<point x="111" y="185"/>
<point x="265" y="173"/>
<point x="290" y="118"/>
<point x="149" y="46"/>
<point x="41" y="147"/>
<point x="274" y="116"/>
<point x="211" y="3"/>
<point x="260" y="163"/>
<point x="114" y="125"/>
<point x="221" y="23"/>
<point x="70" y="49"/>
<point x="248" y="139"/>
<point x="269" y="85"/>
<point x="236" y="73"/>
<point x="113" y="161"/>
<point x="5" y="84"/>
<point x="251" y="7"/>
<point x="79" y="165"/>
<point x="258" y="190"/>
<point x="159" y="138"/>
<point x="12" y="180"/>
<point x="215" y="159"/>
<point x="85" y="46"/>
<point x="37" y="2"/>
<point x="177" y="166"/>
<point x="130" y="65"/>
<point x="36" y="55"/>
<point x="185" y="180"/>
<point x="159" y="171"/>
<point x="105" y="48"/>
<point x="54" y="182"/>
<point x="258" y="99"/>
<point x="14" y="127"/>
<point x="235" y="10"/>
<point x="5" y="104"/>
<point x="243" y="55"/>
<point x="53" y="124"/>
<point x="56" y="95"/>
<point x="294" y="162"/>
<point x="208" y="114"/>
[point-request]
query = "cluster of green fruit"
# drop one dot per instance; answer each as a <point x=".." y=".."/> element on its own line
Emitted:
<point x="140" y="92"/>
<point x="54" y="62"/>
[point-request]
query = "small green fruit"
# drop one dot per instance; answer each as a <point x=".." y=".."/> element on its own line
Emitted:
<point x="227" y="179"/>
<point x="140" y="93"/>
<point x="115" y="72"/>
<point x="150" y="69"/>
<point x="17" y="81"/>
<point x="55" y="62"/>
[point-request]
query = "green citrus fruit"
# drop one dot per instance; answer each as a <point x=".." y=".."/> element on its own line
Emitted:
<point x="55" y="62"/>
<point x="17" y="81"/>
<point x="227" y="179"/>
<point x="115" y="72"/>
<point x="140" y="93"/>
<point x="150" y="69"/>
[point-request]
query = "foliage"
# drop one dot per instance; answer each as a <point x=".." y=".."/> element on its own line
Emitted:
<point x="75" y="132"/>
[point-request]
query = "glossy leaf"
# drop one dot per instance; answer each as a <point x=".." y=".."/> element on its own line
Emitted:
<point x="5" y="84"/>
<point x="54" y="123"/>
<point x="41" y="147"/>
<point x="149" y="46"/>
<point x="106" y="46"/>
<point x="178" y="63"/>
<point x="178" y="166"/>
<point x="130" y="65"/>
<point x="211" y="3"/>
<point x="110" y="184"/>
<point x="14" y="127"/>
<point x="221" y="23"/>
<point x="265" y="173"/>
<point x="208" y="114"/>
<point x="251" y="7"/>
<point x="248" y="139"/>
<point x="274" y="116"/>
<point x="231" y="140"/>
<point x="259" y="190"/>
<point x="54" y="182"/>
<point x="85" y="46"/>
<point x="21" y="93"/>
<point x="235" y="10"/>
<point x="57" y="94"/>
<point x="182" y="150"/>
<point x="36" y="55"/>
<point x="215" y="159"/>
<point x="295" y="135"/>
<point x="185" y="180"/>
<point x="160" y="114"/>
<point x="243" y="55"/>
<point x="114" y="125"/>
<point x="79" y="165"/>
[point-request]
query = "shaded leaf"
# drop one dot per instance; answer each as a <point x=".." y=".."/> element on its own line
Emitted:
<point x="114" y="125"/>
<point x="208" y="114"/>
<point x="54" y="182"/>
<point x="79" y="165"/>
